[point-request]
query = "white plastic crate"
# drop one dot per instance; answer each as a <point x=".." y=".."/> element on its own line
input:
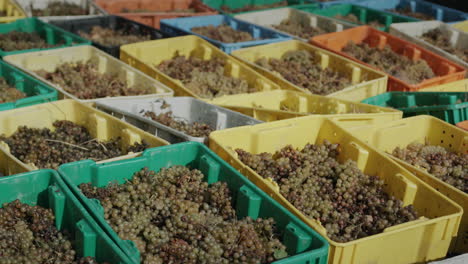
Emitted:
<point x="269" y="18"/>
<point x="414" y="30"/>
<point x="39" y="4"/>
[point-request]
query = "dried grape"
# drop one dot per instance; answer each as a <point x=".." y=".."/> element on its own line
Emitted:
<point x="206" y="78"/>
<point x="347" y="202"/>
<point x="15" y="40"/>
<point x="446" y="165"/>
<point x="59" y="8"/>
<point x="223" y="33"/>
<point x="8" y="93"/>
<point x="194" y="129"/>
<point x="28" y="235"/>
<point x="173" y="216"/>
<point x="441" y="39"/>
<point x="303" y="69"/>
<point x="67" y="143"/>
<point x="110" y="37"/>
<point x="394" y="64"/>
<point x="85" y="81"/>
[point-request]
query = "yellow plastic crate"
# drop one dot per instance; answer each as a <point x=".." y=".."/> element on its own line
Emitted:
<point x="101" y="126"/>
<point x="458" y="86"/>
<point x="49" y="60"/>
<point x="463" y="26"/>
<point x="145" y="56"/>
<point x="366" y="82"/>
<point x="416" y="241"/>
<point x="12" y="9"/>
<point x="386" y="137"/>
<point x="283" y="104"/>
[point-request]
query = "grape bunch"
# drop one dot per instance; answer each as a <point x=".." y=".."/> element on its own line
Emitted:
<point x="223" y="33"/>
<point x="173" y="216"/>
<point x="15" y="40"/>
<point x="8" y="93"/>
<point x="205" y="78"/>
<point x="448" y="166"/>
<point x="303" y="69"/>
<point x="194" y="129"/>
<point x="110" y="37"/>
<point x="67" y="143"/>
<point x="348" y="203"/>
<point x="28" y="236"/>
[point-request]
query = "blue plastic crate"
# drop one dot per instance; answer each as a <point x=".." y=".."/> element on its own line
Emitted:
<point x="183" y="26"/>
<point x="441" y="13"/>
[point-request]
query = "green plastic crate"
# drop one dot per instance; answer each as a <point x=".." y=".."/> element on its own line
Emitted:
<point x="305" y="244"/>
<point x="364" y="14"/>
<point x="234" y="4"/>
<point x="50" y="33"/>
<point x="37" y="92"/>
<point x="45" y="188"/>
<point x="450" y="107"/>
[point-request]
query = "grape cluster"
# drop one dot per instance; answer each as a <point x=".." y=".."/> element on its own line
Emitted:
<point x="28" y="235"/>
<point x="173" y="216"/>
<point x="387" y="60"/>
<point x="223" y="33"/>
<point x="85" y="81"/>
<point x="110" y="37"/>
<point x="348" y="203"/>
<point x="194" y="129"/>
<point x="59" y="8"/>
<point x="441" y="39"/>
<point x="15" y="40"/>
<point x="67" y="143"/>
<point x="303" y="69"/>
<point x="8" y="93"/>
<point x="206" y="78"/>
<point x="300" y="28"/>
<point x="446" y="165"/>
<point x="408" y="12"/>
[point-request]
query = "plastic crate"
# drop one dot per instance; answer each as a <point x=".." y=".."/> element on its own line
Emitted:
<point x="364" y="14"/>
<point x="112" y="22"/>
<point x="146" y="56"/>
<point x="45" y="188"/>
<point x="48" y="60"/>
<point x="89" y="5"/>
<point x="450" y="107"/>
<point x="157" y="10"/>
<point x="439" y="12"/>
<point x="36" y="91"/>
<point x="269" y="18"/>
<point x="463" y="125"/>
<point x="421" y="240"/>
<point x="50" y="33"/>
<point x="423" y="129"/>
<point x="183" y="26"/>
<point x="301" y="241"/>
<point x="277" y="105"/>
<point x="463" y="26"/>
<point x="413" y="31"/>
<point x="12" y="11"/>
<point x="101" y="126"/>
<point x="366" y="82"/>
<point x="235" y="4"/>
<point x="188" y="109"/>
<point x="457" y="86"/>
<point x="445" y="70"/>
<point x="328" y="3"/>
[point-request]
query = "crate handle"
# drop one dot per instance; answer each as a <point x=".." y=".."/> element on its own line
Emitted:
<point x="57" y="203"/>
<point x="361" y="154"/>
<point x="356" y="73"/>
<point x="248" y="203"/>
<point x="85" y="238"/>
<point x="410" y="189"/>
<point x="297" y="240"/>
<point x="210" y="168"/>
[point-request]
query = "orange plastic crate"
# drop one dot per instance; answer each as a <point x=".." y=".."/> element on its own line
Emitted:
<point x="463" y="125"/>
<point x="157" y="10"/>
<point x="445" y="70"/>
